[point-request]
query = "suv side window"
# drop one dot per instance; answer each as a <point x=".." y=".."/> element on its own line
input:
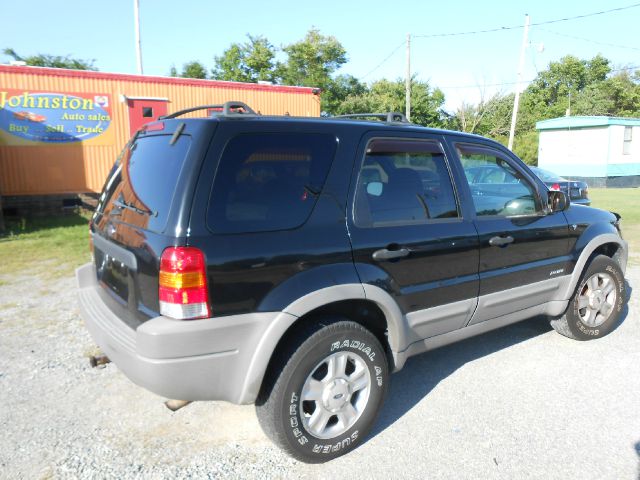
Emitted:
<point x="403" y="181"/>
<point x="496" y="186"/>
<point x="269" y="181"/>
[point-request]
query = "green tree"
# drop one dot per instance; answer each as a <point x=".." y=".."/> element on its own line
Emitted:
<point x="312" y="61"/>
<point x="53" y="61"/>
<point x="193" y="69"/>
<point x="490" y="117"/>
<point x="618" y="95"/>
<point x="568" y="86"/>
<point x="526" y="146"/>
<point x="556" y="89"/>
<point x="387" y="96"/>
<point x="251" y="61"/>
<point x="338" y="90"/>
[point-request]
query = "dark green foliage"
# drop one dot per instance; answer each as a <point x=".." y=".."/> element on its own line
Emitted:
<point x="191" y="69"/>
<point x="311" y="61"/>
<point x="568" y="86"/>
<point x="387" y="96"/>
<point x="53" y="61"/>
<point x="251" y="61"/>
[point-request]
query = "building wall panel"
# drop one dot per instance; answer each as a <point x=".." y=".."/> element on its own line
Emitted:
<point x="77" y="167"/>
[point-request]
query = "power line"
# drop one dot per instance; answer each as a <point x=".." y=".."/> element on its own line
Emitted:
<point x="499" y="29"/>
<point x="513" y="27"/>
<point x="578" y="17"/>
<point x="383" y="61"/>
<point x="588" y="40"/>
<point x="622" y="69"/>
<point x="504" y="84"/>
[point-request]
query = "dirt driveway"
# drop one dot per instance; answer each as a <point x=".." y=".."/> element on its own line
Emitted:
<point x="521" y="402"/>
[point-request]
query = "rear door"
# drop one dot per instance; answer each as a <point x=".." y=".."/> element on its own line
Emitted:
<point x="139" y="211"/>
<point x="408" y="233"/>
<point x="523" y="248"/>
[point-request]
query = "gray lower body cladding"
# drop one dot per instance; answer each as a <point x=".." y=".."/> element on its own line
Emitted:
<point x="209" y="359"/>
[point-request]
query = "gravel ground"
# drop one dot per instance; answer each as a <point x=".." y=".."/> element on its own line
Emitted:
<point x="521" y="402"/>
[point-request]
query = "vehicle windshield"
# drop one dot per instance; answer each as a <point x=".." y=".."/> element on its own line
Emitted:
<point x="547" y="176"/>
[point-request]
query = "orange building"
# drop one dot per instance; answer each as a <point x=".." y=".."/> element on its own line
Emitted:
<point x="61" y="130"/>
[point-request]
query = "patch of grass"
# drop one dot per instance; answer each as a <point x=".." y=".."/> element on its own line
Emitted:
<point x="626" y="202"/>
<point x="50" y="246"/>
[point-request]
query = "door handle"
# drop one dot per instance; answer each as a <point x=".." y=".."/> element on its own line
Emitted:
<point x="500" y="241"/>
<point x="385" y="254"/>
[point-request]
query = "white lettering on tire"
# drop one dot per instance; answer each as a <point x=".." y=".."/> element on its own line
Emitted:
<point x="356" y="345"/>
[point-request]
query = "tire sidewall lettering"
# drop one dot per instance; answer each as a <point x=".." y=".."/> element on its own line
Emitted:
<point x="371" y="354"/>
<point x="594" y="332"/>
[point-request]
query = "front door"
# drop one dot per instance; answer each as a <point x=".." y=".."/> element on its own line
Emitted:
<point x="408" y="234"/>
<point x="144" y="110"/>
<point x="524" y="250"/>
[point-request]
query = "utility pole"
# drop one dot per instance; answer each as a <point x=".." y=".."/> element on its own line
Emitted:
<point x="136" y="14"/>
<point x="516" y="100"/>
<point x="408" y="80"/>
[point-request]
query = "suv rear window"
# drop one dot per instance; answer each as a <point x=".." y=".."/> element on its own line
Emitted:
<point x="269" y="181"/>
<point x="141" y="186"/>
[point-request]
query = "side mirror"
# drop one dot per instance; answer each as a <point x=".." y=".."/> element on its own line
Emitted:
<point x="558" y="201"/>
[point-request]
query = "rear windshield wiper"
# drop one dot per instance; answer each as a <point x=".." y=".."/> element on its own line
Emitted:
<point x="119" y="203"/>
<point x="313" y="191"/>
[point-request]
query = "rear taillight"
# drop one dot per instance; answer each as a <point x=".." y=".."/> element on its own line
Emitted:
<point x="183" y="284"/>
<point x="555" y="186"/>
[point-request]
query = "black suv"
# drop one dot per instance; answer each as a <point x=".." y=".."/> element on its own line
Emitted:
<point x="295" y="262"/>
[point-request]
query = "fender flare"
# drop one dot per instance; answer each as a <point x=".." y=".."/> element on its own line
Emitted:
<point x="597" y="241"/>
<point x="396" y="326"/>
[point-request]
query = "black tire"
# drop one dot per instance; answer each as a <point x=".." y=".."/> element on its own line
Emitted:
<point x="573" y="324"/>
<point x="285" y="416"/>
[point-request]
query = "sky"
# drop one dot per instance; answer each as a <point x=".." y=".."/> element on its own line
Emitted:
<point x="465" y="67"/>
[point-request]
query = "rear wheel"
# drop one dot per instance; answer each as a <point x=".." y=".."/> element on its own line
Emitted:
<point x="596" y="304"/>
<point x="324" y="394"/>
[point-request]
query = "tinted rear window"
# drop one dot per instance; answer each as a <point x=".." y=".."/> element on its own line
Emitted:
<point x="141" y="185"/>
<point x="268" y="182"/>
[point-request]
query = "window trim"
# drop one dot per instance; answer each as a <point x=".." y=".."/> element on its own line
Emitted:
<point x="513" y="164"/>
<point x="429" y="221"/>
<point x="627" y="142"/>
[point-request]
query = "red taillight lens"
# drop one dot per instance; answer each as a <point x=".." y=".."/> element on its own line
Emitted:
<point x="183" y="284"/>
<point x="555" y="186"/>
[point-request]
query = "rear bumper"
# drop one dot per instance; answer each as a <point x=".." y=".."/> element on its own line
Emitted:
<point x="209" y="359"/>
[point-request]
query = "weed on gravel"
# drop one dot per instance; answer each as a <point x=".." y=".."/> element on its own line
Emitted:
<point x="50" y="247"/>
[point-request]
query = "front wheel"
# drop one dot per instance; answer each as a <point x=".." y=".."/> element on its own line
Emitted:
<point x="596" y="305"/>
<point x="323" y="396"/>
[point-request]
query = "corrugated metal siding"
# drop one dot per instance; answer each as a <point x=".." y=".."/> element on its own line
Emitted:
<point x="38" y="170"/>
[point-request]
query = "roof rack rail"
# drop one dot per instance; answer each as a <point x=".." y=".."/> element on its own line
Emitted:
<point x="390" y="117"/>
<point x="228" y="109"/>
